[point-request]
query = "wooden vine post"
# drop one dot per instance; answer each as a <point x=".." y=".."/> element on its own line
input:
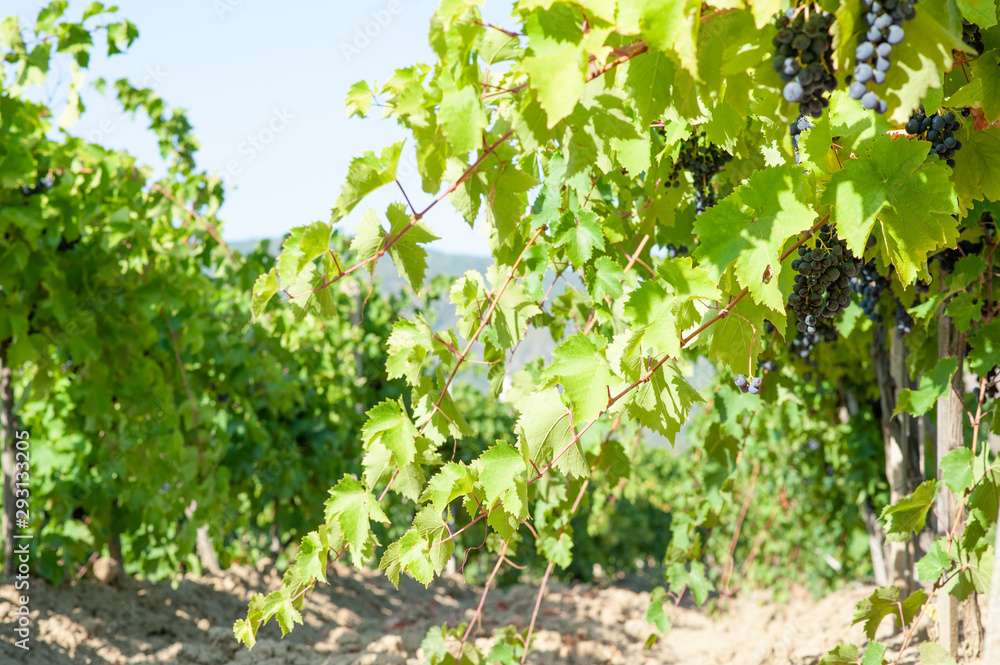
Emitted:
<point x="950" y="412"/>
<point x="7" y="459"/>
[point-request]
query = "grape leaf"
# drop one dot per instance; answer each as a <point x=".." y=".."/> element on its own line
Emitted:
<point x="366" y="174"/>
<point x="359" y="99"/>
<point x="972" y="178"/>
<point x="749" y="227"/>
<point x="842" y="654"/>
<point x="984" y="351"/>
<point x="874" y="654"/>
<point x="911" y="198"/>
<point x="580" y="366"/>
<point x="502" y="476"/>
<point x="545" y="429"/>
<point x="662" y="403"/>
<point x="884" y="602"/>
<point x="956" y="470"/>
<point x="556" y="60"/>
<point x="933" y="385"/>
<point x="406" y="234"/>
<point x="907" y="515"/>
<point x="932" y="653"/>
<point x="655" y="614"/>
<point x="389" y="425"/>
<point x="411" y="554"/>
<point x="354" y="507"/>
<point x="461" y="114"/>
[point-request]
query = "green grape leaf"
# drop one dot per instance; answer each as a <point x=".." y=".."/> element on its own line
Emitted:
<point x="303" y="245"/>
<point x="461" y="114"/>
<point x="893" y="191"/>
<point x="662" y="403"/>
<point x="670" y="26"/>
<point x="983" y="91"/>
<point x="311" y="557"/>
<point x="956" y="470"/>
<point x="354" y="507"/>
<point x="656" y="615"/>
<point x="935" y="563"/>
<point x="263" y="290"/>
<point x="452" y="480"/>
<point x="884" y="602"/>
<point x="980" y="153"/>
<point x="605" y="279"/>
<point x="556" y="60"/>
<point x="359" y="99"/>
<point x="406" y="236"/>
<point x="545" y="430"/>
<point x="434" y="530"/>
<point x="389" y="425"/>
<point x="874" y="654"/>
<point x="984" y="348"/>
<point x="502" y="475"/>
<point x="932" y="653"/>
<point x="410" y="344"/>
<point x="964" y="308"/>
<point x="244" y="633"/>
<point x="907" y="515"/>
<point x="933" y="385"/>
<point x="580" y="366"/>
<point x="411" y="554"/>
<point x="737" y="338"/>
<point x="582" y="238"/>
<point x="749" y="228"/>
<point x="366" y="174"/>
<point x="558" y="549"/>
<point x="919" y="61"/>
<point x="842" y="654"/>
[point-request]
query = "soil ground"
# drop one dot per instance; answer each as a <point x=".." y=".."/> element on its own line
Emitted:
<point x="359" y="619"/>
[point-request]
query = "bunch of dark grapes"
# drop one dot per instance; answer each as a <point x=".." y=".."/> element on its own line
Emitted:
<point x="39" y="187"/>
<point x="822" y="287"/>
<point x="703" y="163"/>
<point x="804" y="58"/>
<point x="972" y="36"/>
<point x="869" y="285"/>
<point x="904" y="322"/>
<point x="947" y="258"/>
<point x="799" y="125"/>
<point x="939" y="130"/>
<point x="803" y="343"/>
<point x="673" y="251"/>
<point x="748" y="385"/>
<point x="884" y="29"/>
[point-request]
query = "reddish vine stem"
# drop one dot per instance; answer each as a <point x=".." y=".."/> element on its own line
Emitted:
<point x="482" y="599"/>
<point x="390" y="241"/>
<point x="534" y="612"/>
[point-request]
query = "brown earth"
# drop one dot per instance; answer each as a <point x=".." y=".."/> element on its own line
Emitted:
<point x="359" y="619"/>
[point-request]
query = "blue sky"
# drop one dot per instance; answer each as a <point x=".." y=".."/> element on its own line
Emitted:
<point x="263" y="84"/>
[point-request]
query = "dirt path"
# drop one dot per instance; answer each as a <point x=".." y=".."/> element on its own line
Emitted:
<point x="359" y="619"/>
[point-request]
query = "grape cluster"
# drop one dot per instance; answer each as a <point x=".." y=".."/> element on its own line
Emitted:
<point x="884" y="21"/>
<point x="972" y="36"/>
<point x="939" y="130"/>
<point x="799" y="125"/>
<point x="673" y="251"/>
<point x="822" y="287"/>
<point x="904" y="322"/>
<point x="804" y="58"/>
<point x="748" y="385"/>
<point x="39" y="187"/>
<point x="869" y="285"/>
<point x="703" y="163"/>
<point x="947" y="258"/>
<point x="803" y="343"/>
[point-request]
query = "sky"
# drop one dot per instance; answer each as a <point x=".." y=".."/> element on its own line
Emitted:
<point x="263" y="83"/>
